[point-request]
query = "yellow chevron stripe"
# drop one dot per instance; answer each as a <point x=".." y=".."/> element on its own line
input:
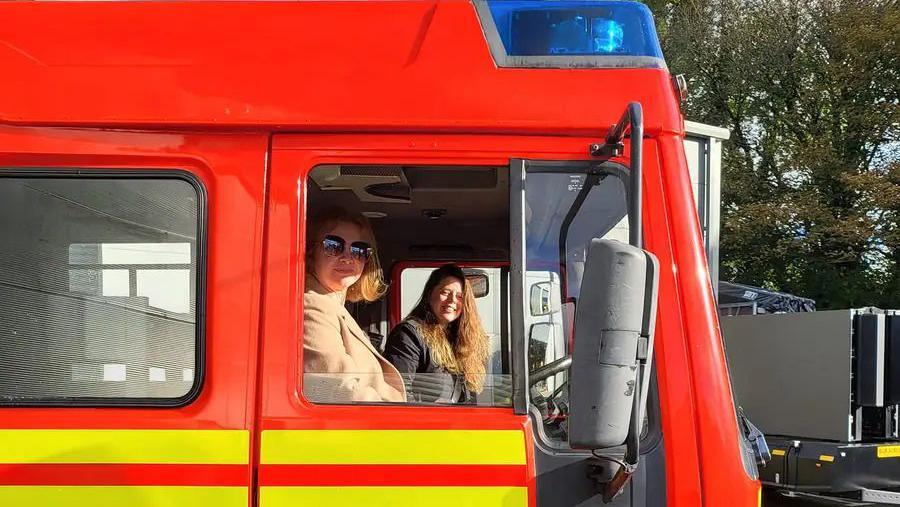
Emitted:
<point x="125" y="446"/>
<point x="119" y="496"/>
<point x="291" y="496"/>
<point x="394" y="447"/>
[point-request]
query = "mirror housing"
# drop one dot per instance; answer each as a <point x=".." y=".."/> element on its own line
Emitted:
<point x="478" y="279"/>
<point x="539" y="299"/>
<point x="614" y="323"/>
<point x="543" y="299"/>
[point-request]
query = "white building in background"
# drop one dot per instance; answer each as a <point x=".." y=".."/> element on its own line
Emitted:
<point x="703" y="148"/>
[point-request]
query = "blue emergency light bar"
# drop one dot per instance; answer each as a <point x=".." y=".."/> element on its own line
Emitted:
<point x="549" y="28"/>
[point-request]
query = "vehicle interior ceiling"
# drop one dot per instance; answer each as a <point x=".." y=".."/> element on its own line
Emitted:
<point x="427" y="213"/>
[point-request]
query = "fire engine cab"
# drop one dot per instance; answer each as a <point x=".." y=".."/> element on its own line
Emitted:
<point x="159" y="160"/>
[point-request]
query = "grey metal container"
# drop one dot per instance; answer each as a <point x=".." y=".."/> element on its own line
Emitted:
<point x="826" y="375"/>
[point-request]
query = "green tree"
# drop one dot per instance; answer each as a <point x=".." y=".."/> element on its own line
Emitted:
<point x="811" y="176"/>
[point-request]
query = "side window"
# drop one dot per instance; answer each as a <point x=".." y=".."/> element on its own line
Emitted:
<point x="361" y="220"/>
<point x="99" y="282"/>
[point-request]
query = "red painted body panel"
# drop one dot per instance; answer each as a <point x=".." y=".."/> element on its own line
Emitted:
<point x="674" y="374"/>
<point x="283" y="406"/>
<point x="231" y="168"/>
<point x="311" y="66"/>
<point x="723" y="479"/>
<point x="118" y="474"/>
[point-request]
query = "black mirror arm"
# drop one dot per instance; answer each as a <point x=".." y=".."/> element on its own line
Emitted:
<point x="756" y="438"/>
<point x="633" y="120"/>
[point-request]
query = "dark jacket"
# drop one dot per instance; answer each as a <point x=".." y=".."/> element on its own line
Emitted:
<point x="424" y="379"/>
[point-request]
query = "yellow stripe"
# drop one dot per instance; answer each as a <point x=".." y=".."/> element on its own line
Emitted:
<point x="125" y="446"/>
<point x="825" y="457"/>
<point x="889" y="451"/>
<point x="777" y="452"/>
<point x="394" y="447"/>
<point x="291" y="496"/>
<point x="120" y="496"/>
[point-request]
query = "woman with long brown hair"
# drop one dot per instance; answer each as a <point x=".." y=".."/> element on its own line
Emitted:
<point x="441" y="349"/>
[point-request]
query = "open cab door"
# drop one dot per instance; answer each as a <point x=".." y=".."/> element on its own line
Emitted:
<point x="584" y="375"/>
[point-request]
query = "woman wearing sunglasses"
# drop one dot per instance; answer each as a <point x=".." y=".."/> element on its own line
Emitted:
<point x="441" y="348"/>
<point x="339" y="362"/>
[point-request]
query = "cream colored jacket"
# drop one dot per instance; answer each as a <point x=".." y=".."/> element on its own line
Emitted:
<point x="340" y="364"/>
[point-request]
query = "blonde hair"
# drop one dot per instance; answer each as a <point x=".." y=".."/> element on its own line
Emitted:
<point x="370" y="286"/>
<point x="460" y="347"/>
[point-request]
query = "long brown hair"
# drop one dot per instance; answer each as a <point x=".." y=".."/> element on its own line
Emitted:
<point x="370" y="286"/>
<point x="461" y="347"/>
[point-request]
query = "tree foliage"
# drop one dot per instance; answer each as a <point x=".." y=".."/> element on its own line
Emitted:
<point x="810" y="91"/>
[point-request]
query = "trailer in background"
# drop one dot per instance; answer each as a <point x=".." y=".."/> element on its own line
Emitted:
<point x="825" y="388"/>
<point x="741" y="299"/>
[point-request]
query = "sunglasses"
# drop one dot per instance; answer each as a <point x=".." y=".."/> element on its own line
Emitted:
<point x="334" y="247"/>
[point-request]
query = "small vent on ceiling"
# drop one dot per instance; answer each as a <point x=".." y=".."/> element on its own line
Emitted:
<point x="369" y="183"/>
<point x="371" y="171"/>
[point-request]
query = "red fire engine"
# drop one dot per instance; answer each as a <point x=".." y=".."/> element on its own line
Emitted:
<point x="158" y="161"/>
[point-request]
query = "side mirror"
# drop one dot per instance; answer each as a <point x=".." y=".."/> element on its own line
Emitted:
<point x="478" y="279"/>
<point x="614" y="322"/>
<point x="539" y="299"/>
<point x="543" y="299"/>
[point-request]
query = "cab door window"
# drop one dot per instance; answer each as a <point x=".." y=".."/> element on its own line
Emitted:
<point x="418" y="214"/>
<point x="565" y="207"/>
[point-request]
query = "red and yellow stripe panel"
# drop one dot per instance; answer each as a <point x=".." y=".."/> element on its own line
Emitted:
<point x="104" y="468"/>
<point x="393" y="468"/>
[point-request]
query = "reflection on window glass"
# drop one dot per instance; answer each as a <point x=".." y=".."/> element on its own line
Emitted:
<point x="549" y="197"/>
<point x="97" y="291"/>
<point x="157" y="272"/>
<point x="165" y="289"/>
<point x="115" y="282"/>
<point x="553" y="274"/>
<point x="421" y="388"/>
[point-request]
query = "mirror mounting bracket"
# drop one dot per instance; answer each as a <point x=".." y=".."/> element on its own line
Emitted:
<point x="607" y="150"/>
<point x="631" y="123"/>
<point x="643" y="346"/>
